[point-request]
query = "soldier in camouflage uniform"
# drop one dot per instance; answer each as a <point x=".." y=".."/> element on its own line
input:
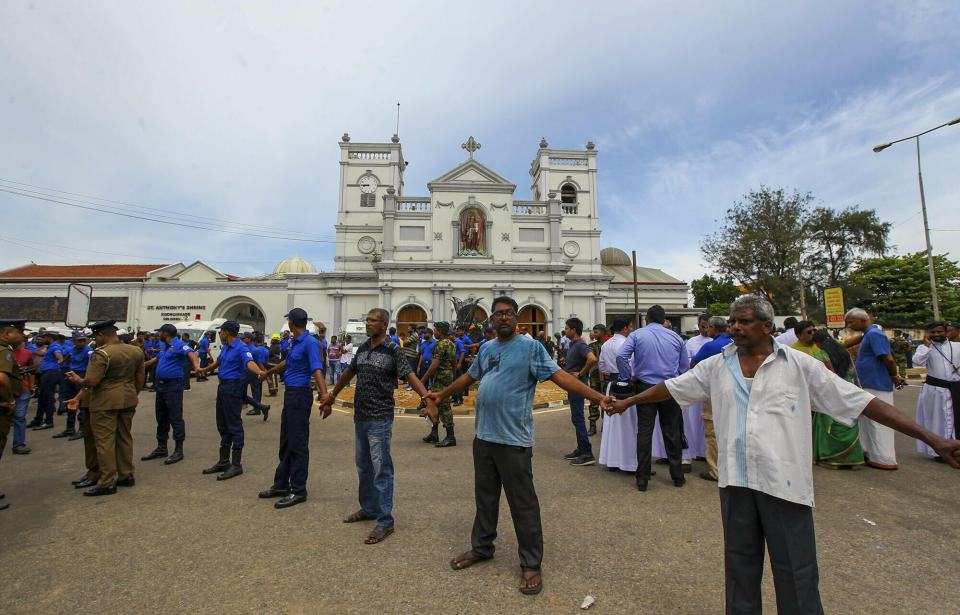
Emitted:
<point x="599" y="336"/>
<point x="899" y="347"/>
<point x="443" y="369"/>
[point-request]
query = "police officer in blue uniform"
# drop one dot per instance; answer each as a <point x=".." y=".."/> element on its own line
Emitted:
<point x="260" y="356"/>
<point x="170" y="384"/>
<point x="304" y="361"/>
<point x="75" y="360"/>
<point x="234" y="362"/>
<point x="50" y="378"/>
<point x="203" y="350"/>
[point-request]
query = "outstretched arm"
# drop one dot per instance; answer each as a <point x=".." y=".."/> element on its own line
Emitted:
<point x="885" y="414"/>
<point x="657" y="392"/>
<point x="570" y="384"/>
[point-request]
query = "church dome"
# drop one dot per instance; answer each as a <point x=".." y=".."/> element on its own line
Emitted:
<point x="614" y="256"/>
<point x="295" y="265"/>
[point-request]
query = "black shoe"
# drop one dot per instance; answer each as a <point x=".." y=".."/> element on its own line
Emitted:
<point x="573" y="455"/>
<point x="641" y="484"/>
<point x="290" y="499"/>
<point x="76" y="436"/>
<point x="679" y="482"/>
<point x="77" y="481"/>
<point x="593" y="429"/>
<point x="83" y="483"/>
<point x="23" y="449"/>
<point x="686" y="467"/>
<point x="253" y="412"/>
<point x="661" y="461"/>
<point x="174" y="458"/>
<point x="273" y="493"/>
<point x="95" y="491"/>
<point x="126" y="482"/>
<point x="265" y="409"/>
<point x="61" y="411"/>
<point x="230" y="472"/>
<point x="33" y="423"/>
<point x="157" y="453"/>
<point x="705" y="475"/>
<point x="44" y="425"/>
<point x="432" y="437"/>
<point x="64" y="434"/>
<point x="457" y="403"/>
<point x="4" y="505"/>
<point x="584" y="460"/>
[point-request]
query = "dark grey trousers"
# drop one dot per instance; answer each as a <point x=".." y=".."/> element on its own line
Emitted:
<point x="752" y="519"/>
<point x="508" y="467"/>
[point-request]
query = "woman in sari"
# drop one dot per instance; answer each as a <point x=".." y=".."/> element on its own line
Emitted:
<point x="834" y="444"/>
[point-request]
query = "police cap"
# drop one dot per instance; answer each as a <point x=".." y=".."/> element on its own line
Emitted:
<point x="16" y="323"/>
<point x="168" y="329"/>
<point x="231" y="326"/>
<point x="103" y="326"/>
<point x="296" y="314"/>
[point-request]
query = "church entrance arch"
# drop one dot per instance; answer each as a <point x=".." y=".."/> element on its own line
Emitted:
<point x="244" y="310"/>
<point x="410" y="315"/>
<point x="533" y="318"/>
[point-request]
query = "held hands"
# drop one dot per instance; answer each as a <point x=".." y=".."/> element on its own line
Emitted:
<point x="325" y="411"/>
<point x="617" y="407"/>
<point x="327" y="399"/>
<point x="607" y="401"/>
<point x="431" y="410"/>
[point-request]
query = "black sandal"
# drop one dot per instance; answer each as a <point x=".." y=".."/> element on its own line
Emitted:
<point x="530" y="591"/>
<point x="359" y="516"/>
<point x="378" y="534"/>
<point x="467" y="559"/>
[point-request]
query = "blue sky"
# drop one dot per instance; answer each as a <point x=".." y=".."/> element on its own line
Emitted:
<point x="233" y="111"/>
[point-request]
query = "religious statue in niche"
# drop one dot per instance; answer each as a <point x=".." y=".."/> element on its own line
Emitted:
<point x="472" y="227"/>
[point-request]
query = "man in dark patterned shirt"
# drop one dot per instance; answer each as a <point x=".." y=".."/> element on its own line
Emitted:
<point x="378" y="364"/>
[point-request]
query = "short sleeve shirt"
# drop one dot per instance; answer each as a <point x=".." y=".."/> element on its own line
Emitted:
<point x="233" y="360"/>
<point x="79" y="356"/>
<point x="508" y="373"/>
<point x="204" y="345"/>
<point x="170" y="360"/>
<point x="261" y="354"/>
<point x="870" y="368"/>
<point x="426" y="349"/>
<point x="50" y="357"/>
<point x="303" y="359"/>
<point x="377" y="370"/>
<point x="576" y="357"/>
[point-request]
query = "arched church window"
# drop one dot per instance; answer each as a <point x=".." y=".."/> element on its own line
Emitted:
<point x="568" y="194"/>
<point x="368" y="199"/>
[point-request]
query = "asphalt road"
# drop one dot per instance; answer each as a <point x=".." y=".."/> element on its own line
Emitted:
<point x="181" y="542"/>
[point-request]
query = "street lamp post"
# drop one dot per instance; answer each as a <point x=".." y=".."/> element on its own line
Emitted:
<point x="923" y="209"/>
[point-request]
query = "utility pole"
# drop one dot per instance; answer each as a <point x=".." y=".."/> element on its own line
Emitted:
<point x="636" y="300"/>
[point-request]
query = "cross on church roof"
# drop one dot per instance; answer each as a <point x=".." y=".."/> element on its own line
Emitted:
<point x="471" y="146"/>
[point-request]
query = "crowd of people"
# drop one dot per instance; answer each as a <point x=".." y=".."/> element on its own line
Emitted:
<point x="756" y="407"/>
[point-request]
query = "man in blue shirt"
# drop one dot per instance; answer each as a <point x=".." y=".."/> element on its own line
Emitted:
<point x="203" y="353"/>
<point x="878" y="373"/>
<point x="464" y="346"/>
<point x="393" y="336"/>
<point x="168" y="366"/>
<point x="260" y="357"/>
<point x="302" y="364"/>
<point x="152" y="348"/>
<point x="508" y="369"/>
<point x="76" y="361"/>
<point x="426" y="354"/>
<point x="50" y="379"/>
<point x="234" y="361"/>
<point x="658" y="354"/>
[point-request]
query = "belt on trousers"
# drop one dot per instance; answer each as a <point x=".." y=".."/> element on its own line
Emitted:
<point x="612" y="377"/>
<point x="165" y="380"/>
<point x="952" y="386"/>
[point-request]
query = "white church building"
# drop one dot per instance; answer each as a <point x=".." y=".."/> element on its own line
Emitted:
<point x="468" y="237"/>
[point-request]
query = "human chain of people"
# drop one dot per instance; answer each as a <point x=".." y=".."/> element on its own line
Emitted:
<point x="760" y="409"/>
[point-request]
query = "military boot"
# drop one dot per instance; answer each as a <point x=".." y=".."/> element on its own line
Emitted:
<point x="221" y="465"/>
<point x="235" y="468"/>
<point x="177" y="453"/>
<point x="593" y="429"/>
<point x="450" y="440"/>
<point x="432" y="437"/>
<point x="160" y="451"/>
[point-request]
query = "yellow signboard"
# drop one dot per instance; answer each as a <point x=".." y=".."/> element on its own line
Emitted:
<point x="833" y="297"/>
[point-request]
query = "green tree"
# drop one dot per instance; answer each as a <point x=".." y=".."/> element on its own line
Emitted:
<point x="836" y="239"/>
<point x="709" y="290"/>
<point x="758" y="244"/>
<point x="896" y="289"/>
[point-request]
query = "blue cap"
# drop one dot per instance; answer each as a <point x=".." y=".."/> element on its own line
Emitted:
<point x="230" y="326"/>
<point x="296" y="314"/>
<point x="246" y="335"/>
<point x="168" y="328"/>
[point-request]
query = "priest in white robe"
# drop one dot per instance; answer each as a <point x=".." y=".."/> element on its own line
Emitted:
<point x="618" y="440"/>
<point x="939" y="400"/>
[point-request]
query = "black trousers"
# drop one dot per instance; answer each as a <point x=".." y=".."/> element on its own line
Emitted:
<point x="168" y="406"/>
<point x="752" y="518"/>
<point x="671" y="425"/>
<point x="294" y="440"/>
<point x="256" y="390"/>
<point x="46" y="400"/>
<point x="508" y="467"/>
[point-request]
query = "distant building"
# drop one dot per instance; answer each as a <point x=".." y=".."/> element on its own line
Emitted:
<point x="411" y="254"/>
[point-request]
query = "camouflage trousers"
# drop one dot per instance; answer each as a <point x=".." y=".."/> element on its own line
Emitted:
<point x="902" y="368"/>
<point x="596" y="385"/>
<point x="445" y="409"/>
